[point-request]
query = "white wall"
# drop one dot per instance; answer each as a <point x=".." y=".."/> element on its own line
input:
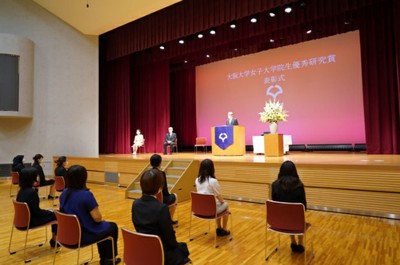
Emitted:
<point x="65" y="96"/>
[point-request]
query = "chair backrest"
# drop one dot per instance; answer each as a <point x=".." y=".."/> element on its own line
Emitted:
<point x="201" y="140"/>
<point x="14" y="177"/>
<point x="142" y="249"/>
<point x="203" y="204"/>
<point x="69" y="229"/>
<point x="286" y="216"/>
<point x="59" y="183"/>
<point x="22" y="215"/>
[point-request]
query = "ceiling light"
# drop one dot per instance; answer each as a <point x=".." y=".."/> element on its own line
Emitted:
<point x="186" y="61"/>
<point x="271" y="40"/>
<point x="232" y="25"/>
<point x="253" y="20"/>
<point x="309" y="31"/>
<point x="288" y="9"/>
<point x="208" y="56"/>
<point x="162" y="47"/>
<point x="181" y="41"/>
<point x="272" y="14"/>
<point x="213" y="32"/>
<point x="200" y="36"/>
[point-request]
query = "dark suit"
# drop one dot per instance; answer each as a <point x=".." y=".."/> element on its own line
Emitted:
<point x="149" y="216"/>
<point x="169" y="137"/>
<point x="233" y="121"/>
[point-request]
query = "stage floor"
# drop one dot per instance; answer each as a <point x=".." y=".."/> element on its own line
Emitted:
<point x="329" y="158"/>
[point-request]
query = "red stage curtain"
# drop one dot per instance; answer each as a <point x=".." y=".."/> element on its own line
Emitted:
<point x="183" y="105"/>
<point x="150" y="103"/>
<point x="380" y="50"/>
<point x="114" y="109"/>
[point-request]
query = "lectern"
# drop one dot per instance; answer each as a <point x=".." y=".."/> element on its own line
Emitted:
<point x="228" y="140"/>
<point x="273" y="144"/>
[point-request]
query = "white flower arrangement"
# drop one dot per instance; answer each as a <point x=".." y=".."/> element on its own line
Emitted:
<point x="273" y="112"/>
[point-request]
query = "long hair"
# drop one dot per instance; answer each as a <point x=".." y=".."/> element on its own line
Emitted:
<point x="76" y="178"/>
<point x="288" y="177"/>
<point x="206" y="170"/>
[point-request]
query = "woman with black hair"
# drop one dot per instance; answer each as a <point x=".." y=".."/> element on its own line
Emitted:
<point x="27" y="194"/>
<point x="289" y="188"/>
<point x="149" y="216"/>
<point x="37" y="161"/>
<point x="18" y="163"/>
<point x="77" y="199"/>
<point x="60" y="170"/>
<point x="207" y="183"/>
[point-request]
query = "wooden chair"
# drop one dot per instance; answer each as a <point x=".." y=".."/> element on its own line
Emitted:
<point x="14" y="180"/>
<point x="59" y="186"/>
<point x="142" y="249"/>
<point x="69" y="235"/>
<point x="204" y="207"/>
<point x="288" y="219"/>
<point x="201" y="142"/>
<point x="22" y="218"/>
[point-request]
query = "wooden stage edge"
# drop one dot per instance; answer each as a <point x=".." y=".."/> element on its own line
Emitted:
<point x="346" y="182"/>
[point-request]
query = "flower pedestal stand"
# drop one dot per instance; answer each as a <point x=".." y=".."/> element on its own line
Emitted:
<point x="273" y="144"/>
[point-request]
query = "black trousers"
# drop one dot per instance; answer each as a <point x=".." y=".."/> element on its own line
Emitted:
<point x="165" y="147"/>
<point x="105" y="247"/>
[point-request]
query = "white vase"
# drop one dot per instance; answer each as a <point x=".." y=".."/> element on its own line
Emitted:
<point x="273" y="127"/>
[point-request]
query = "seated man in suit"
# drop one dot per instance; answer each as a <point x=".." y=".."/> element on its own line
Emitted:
<point x="170" y="139"/>
<point x="231" y="120"/>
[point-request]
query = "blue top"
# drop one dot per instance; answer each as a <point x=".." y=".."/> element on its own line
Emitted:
<point x="81" y="203"/>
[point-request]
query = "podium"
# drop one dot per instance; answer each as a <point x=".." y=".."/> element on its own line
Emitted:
<point x="237" y="148"/>
<point x="273" y="144"/>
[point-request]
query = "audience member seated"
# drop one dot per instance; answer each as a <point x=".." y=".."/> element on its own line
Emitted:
<point x="289" y="188"/>
<point x="137" y="142"/>
<point x="170" y="139"/>
<point x="28" y="177"/>
<point x="168" y="198"/>
<point x="149" y="216"/>
<point x="37" y="161"/>
<point x="77" y="199"/>
<point x="18" y="163"/>
<point x="207" y="183"/>
<point x="60" y="170"/>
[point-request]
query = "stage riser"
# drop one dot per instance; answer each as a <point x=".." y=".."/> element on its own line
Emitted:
<point x="372" y="189"/>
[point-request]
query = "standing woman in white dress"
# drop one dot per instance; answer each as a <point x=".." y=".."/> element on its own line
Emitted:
<point x="137" y="142"/>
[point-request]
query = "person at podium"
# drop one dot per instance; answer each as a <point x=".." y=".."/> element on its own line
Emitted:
<point x="231" y="119"/>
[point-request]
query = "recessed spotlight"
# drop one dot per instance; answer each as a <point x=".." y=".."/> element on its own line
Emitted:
<point x="253" y="20"/>
<point x="181" y="41"/>
<point x="271" y="40"/>
<point x="200" y="36"/>
<point x="272" y="14"/>
<point x="162" y="47"/>
<point x="309" y="31"/>
<point x="213" y="32"/>
<point x="288" y="9"/>
<point x="208" y="56"/>
<point x="185" y="61"/>
<point x="232" y="25"/>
